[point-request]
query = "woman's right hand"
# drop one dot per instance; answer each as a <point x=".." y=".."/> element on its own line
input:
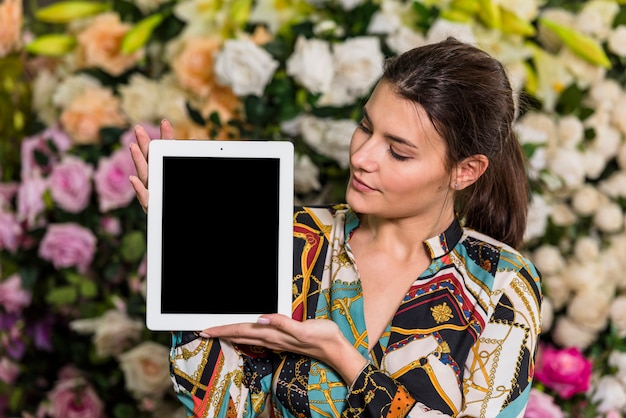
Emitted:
<point x="139" y="154"/>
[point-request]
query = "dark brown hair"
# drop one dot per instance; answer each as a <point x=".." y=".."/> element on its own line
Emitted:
<point x="468" y="98"/>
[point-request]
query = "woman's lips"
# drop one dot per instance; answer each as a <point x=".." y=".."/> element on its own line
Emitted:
<point x="360" y="186"/>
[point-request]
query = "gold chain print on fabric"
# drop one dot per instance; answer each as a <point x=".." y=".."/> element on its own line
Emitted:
<point x="325" y="386"/>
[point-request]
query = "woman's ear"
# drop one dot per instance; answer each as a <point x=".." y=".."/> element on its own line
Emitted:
<point x="468" y="171"/>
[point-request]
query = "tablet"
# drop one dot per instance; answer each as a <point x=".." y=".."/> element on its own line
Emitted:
<point x="220" y="224"/>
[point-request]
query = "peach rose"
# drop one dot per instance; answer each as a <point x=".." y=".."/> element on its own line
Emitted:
<point x="194" y="65"/>
<point x="146" y="369"/>
<point x="91" y="110"/>
<point x="99" y="45"/>
<point x="10" y="25"/>
<point x="228" y="106"/>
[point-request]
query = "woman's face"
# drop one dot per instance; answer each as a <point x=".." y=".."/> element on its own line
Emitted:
<point x="397" y="162"/>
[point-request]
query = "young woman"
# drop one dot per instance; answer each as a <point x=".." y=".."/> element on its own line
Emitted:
<point x="410" y="299"/>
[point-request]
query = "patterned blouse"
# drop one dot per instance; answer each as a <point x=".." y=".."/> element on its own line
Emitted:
<point x="461" y="344"/>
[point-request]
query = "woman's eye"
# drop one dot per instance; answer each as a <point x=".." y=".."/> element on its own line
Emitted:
<point x="397" y="156"/>
<point x="364" y="128"/>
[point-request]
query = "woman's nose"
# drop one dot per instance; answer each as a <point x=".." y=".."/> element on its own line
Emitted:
<point x="365" y="155"/>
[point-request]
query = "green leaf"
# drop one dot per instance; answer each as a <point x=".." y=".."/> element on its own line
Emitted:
<point x="133" y="246"/>
<point x="88" y="289"/>
<point x="64" y="295"/>
<point x="66" y="11"/>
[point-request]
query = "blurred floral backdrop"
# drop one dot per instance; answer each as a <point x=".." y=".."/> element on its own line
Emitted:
<point x="76" y="77"/>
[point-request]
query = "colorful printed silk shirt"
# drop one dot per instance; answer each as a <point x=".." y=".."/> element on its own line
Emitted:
<point x="461" y="344"/>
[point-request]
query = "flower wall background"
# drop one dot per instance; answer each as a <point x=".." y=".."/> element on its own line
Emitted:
<point x="75" y="78"/>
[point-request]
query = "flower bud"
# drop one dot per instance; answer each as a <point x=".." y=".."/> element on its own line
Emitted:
<point x="582" y="45"/>
<point x="66" y="11"/>
<point x="53" y="45"/>
<point x="139" y="35"/>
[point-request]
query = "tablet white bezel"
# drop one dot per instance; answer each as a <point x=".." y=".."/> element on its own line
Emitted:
<point x="160" y="148"/>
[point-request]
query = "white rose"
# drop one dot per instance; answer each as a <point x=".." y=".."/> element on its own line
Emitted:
<point x="562" y="215"/>
<point x="583" y="72"/>
<point x="595" y="319"/>
<point x="594" y="163"/>
<point x="609" y="217"/>
<point x="607" y="141"/>
<point x="350" y="4"/>
<point x="586" y="248"/>
<point x="358" y="65"/>
<point x="548" y="259"/>
<point x="538" y="214"/>
<point x="569" y="166"/>
<point x="44" y="86"/>
<point x="245" y="67"/>
<point x="609" y="394"/>
<point x="547" y="314"/>
<point x="404" y="39"/>
<point x="596" y="17"/>
<point x="305" y="175"/>
<point x="72" y="87"/>
<point x="536" y="128"/>
<point x="312" y="64"/>
<point x="583" y="276"/>
<point x="618" y="116"/>
<point x="617" y="359"/>
<point x="614" y="186"/>
<point x="571" y="131"/>
<point x="617" y="41"/>
<point x="617" y="316"/>
<point x="567" y="333"/>
<point x="604" y="94"/>
<point x="113" y="332"/>
<point x="556" y="289"/>
<point x="146" y="369"/>
<point x="586" y="200"/>
<point x="443" y="28"/>
<point x="134" y="95"/>
<point x="329" y="137"/>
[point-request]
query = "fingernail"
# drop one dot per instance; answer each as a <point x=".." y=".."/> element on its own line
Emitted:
<point x="204" y="335"/>
<point x="263" y="321"/>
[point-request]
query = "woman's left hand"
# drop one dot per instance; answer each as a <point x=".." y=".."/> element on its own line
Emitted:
<point x="317" y="338"/>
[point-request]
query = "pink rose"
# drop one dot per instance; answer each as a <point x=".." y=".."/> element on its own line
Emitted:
<point x="68" y="245"/>
<point x="541" y="405"/>
<point x="72" y="398"/>
<point x="111" y="225"/>
<point x="566" y="371"/>
<point x="12" y="296"/>
<point x="111" y="178"/>
<point x="70" y="184"/>
<point x="38" y="151"/>
<point x="9" y="370"/>
<point x="7" y="191"/>
<point x="30" y="203"/>
<point x="10" y="231"/>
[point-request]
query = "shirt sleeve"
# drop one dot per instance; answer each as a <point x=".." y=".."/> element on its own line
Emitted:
<point x="209" y="379"/>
